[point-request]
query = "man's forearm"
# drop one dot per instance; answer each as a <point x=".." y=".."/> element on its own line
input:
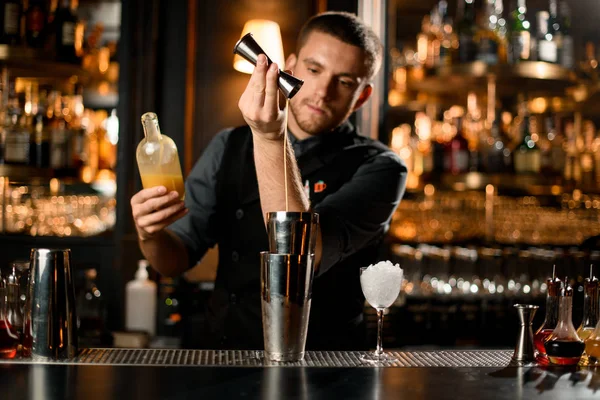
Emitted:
<point x="269" y="161"/>
<point x="166" y="253"/>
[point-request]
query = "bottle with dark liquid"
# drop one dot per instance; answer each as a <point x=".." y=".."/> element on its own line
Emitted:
<point x="551" y="319"/>
<point x="35" y="24"/>
<point x="65" y="23"/>
<point x="563" y="346"/>
<point x="9" y="339"/>
<point x="457" y="152"/>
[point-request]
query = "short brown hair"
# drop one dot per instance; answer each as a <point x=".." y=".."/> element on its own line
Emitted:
<point x="349" y="29"/>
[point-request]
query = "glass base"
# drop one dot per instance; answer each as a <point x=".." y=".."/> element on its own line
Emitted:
<point x="375" y="358"/>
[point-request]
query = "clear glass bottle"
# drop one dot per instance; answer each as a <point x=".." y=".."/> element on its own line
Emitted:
<point x="551" y="318"/>
<point x="466" y="28"/>
<point x="567" y="46"/>
<point x="487" y="39"/>
<point x="449" y="42"/>
<point x="563" y="346"/>
<point x="527" y="156"/>
<point x="520" y="39"/>
<point x="547" y="46"/>
<point x="157" y="158"/>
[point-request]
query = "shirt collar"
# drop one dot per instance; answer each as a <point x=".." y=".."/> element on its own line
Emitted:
<point x="302" y="146"/>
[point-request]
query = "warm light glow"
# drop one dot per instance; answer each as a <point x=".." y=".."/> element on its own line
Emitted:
<point x="268" y="36"/>
<point x="429" y="189"/>
<point x="538" y="105"/>
<point x="103" y="59"/>
<point x="54" y="185"/>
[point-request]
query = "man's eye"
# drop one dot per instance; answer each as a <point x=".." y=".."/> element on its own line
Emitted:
<point x="347" y="84"/>
<point x="312" y="70"/>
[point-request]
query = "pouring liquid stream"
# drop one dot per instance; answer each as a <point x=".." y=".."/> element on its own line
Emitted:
<point x="285" y="154"/>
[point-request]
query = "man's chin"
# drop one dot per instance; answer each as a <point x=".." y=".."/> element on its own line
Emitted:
<point x="315" y="129"/>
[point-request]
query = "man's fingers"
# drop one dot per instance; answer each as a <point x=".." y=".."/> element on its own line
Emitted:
<point x="271" y="95"/>
<point x="257" y="80"/>
<point x="159" y="226"/>
<point x="147" y="194"/>
<point x="160" y="216"/>
<point x="154" y="204"/>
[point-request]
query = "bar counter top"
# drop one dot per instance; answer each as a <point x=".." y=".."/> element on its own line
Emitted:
<point x="204" y="374"/>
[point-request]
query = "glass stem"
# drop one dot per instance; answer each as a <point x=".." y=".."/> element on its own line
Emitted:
<point x="379" y="350"/>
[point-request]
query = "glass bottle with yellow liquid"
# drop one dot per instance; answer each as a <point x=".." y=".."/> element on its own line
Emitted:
<point x="589" y="324"/>
<point x="590" y="307"/>
<point x="157" y="158"/>
<point x="592" y="347"/>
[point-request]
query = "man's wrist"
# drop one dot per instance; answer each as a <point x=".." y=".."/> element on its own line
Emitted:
<point x="268" y="138"/>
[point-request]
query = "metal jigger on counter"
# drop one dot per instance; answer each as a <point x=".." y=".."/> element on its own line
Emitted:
<point x="50" y="328"/>
<point x="525" y="349"/>
<point x="287" y="271"/>
<point x="250" y="50"/>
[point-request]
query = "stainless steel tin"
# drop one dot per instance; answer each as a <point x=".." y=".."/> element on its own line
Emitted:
<point x="292" y="232"/>
<point x="286" y="291"/>
<point x="50" y="315"/>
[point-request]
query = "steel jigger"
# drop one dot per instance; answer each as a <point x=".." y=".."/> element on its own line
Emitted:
<point x="525" y="350"/>
<point x="250" y="50"/>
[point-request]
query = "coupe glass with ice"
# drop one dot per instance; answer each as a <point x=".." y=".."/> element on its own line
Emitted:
<point x="380" y="284"/>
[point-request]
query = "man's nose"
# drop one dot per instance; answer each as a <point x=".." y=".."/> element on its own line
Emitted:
<point x="325" y="87"/>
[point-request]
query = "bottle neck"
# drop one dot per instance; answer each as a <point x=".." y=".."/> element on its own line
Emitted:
<point x="3" y="304"/>
<point x="552" y="307"/>
<point x="590" y="307"/>
<point x="526" y="134"/>
<point x="151" y="129"/>
<point x="553" y="9"/>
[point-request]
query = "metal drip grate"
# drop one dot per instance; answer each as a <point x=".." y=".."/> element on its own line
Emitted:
<point x="244" y="358"/>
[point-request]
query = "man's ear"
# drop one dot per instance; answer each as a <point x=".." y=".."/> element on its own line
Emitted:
<point x="363" y="97"/>
<point x="290" y="63"/>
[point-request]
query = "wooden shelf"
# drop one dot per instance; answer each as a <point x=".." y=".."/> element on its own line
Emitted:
<point x="25" y="172"/>
<point x="530" y="77"/>
<point x="32" y="63"/>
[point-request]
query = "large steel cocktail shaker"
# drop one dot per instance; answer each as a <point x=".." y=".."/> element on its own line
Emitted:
<point x="50" y="329"/>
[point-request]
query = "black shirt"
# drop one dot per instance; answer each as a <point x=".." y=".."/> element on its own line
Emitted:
<point x="354" y="215"/>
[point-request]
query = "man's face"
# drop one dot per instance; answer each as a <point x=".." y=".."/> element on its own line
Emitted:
<point x="335" y="82"/>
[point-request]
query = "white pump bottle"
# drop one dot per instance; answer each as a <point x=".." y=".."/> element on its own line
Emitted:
<point x="140" y="302"/>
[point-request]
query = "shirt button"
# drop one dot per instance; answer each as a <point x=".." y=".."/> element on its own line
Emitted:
<point x="232" y="298"/>
<point x="239" y="213"/>
<point x="235" y="257"/>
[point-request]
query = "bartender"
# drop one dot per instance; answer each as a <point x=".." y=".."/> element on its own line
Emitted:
<point x="352" y="182"/>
